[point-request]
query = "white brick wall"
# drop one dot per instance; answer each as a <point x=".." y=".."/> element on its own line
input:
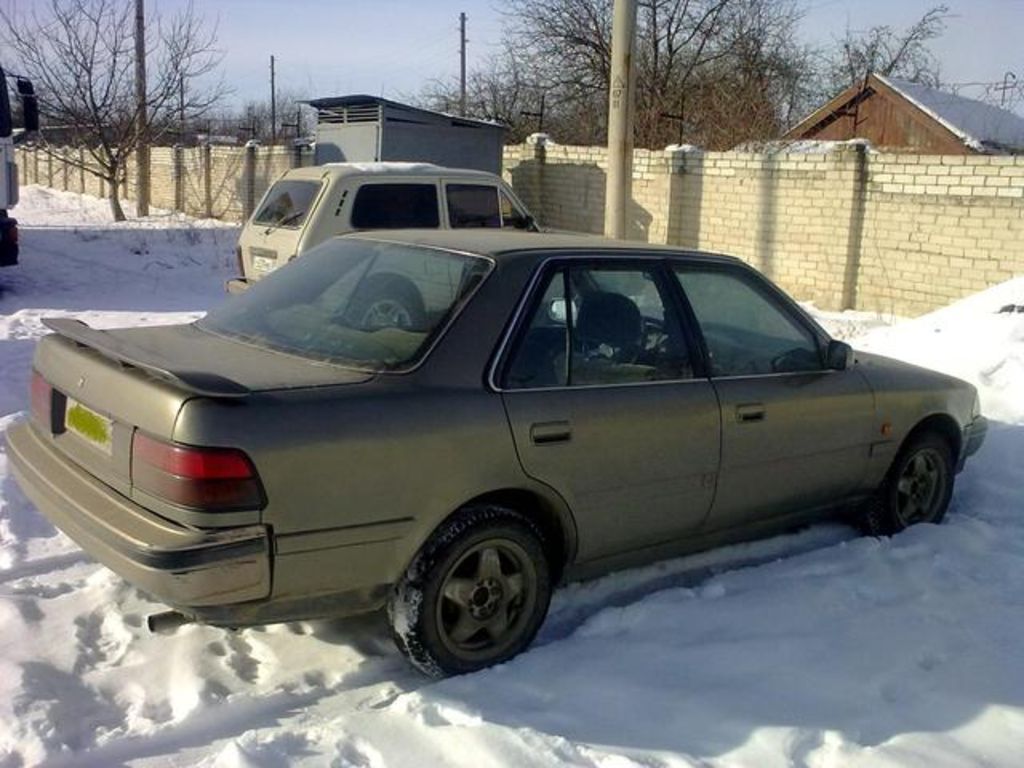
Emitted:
<point x="915" y="233"/>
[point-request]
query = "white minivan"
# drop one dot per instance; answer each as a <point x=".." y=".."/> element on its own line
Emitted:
<point x="309" y="205"/>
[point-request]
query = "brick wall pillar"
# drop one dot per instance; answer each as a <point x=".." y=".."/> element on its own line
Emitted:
<point x="207" y="182"/>
<point x="684" y="196"/>
<point x="535" y="157"/>
<point x="249" y="179"/>
<point x="178" y="176"/>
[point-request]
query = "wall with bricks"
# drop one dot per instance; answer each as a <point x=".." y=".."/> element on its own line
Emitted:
<point x="213" y="182"/>
<point x="848" y="228"/>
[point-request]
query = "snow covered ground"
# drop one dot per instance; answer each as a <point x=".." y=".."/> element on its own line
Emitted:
<point x="818" y="648"/>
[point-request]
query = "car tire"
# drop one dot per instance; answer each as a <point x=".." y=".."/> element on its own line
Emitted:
<point x="475" y="594"/>
<point x="916" y="489"/>
<point x="387" y="301"/>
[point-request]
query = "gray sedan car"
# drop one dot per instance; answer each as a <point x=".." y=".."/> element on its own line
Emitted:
<point x="448" y="424"/>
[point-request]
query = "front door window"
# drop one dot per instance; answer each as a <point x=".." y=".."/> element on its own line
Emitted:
<point x="745" y="330"/>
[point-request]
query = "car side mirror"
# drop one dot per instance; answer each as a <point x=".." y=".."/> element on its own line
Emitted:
<point x="839" y="355"/>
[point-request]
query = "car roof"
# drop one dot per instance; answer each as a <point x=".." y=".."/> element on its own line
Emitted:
<point x="337" y="170"/>
<point x="506" y="243"/>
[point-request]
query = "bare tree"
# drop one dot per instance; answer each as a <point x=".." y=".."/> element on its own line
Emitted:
<point x="713" y="72"/>
<point x="253" y="120"/>
<point x="887" y="51"/>
<point x="498" y="91"/>
<point x="80" y="53"/>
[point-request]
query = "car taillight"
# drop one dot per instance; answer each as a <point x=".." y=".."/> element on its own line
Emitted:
<point x="42" y="400"/>
<point x="12" y="233"/>
<point x="209" y="479"/>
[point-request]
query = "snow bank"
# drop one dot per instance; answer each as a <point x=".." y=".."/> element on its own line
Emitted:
<point x="979" y="339"/>
<point x="816" y="649"/>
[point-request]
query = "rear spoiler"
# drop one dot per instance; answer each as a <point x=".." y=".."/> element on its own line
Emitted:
<point x="131" y="356"/>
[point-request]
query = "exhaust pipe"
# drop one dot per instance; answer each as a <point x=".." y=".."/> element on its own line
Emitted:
<point x="165" y="623"/>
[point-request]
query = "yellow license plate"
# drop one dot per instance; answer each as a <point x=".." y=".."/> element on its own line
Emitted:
<point x="95" y="429"/>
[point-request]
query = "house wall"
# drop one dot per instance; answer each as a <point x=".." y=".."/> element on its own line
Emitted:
<point x="888" y="122"/>
<point x="900" y="234"/>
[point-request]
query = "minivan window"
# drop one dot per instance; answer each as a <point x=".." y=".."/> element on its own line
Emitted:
<point x="472" y="205"/>
<point x="512" y="216"/>
<point x="287" y="204"/>
<point x="396" y="206"/>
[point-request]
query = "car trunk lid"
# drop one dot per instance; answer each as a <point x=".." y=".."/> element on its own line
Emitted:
<point x="106" y="384"/>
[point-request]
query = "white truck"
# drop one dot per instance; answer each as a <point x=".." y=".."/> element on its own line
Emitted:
<point x="9" y="137"/>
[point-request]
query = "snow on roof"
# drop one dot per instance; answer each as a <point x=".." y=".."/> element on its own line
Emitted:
<point x="801" y="146"/>
<point x="980" y="126"/>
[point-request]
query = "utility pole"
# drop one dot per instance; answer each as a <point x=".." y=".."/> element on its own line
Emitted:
<point x="141" y="118"/>
<point x="462" y="64"/>
<point x="619" y="186"/>
<point x="273" y="103"/>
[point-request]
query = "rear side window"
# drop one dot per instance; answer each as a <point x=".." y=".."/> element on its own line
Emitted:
<point x="287" y="204"/>
<point x="396" y="206"/>
<point x="472" y="205"/>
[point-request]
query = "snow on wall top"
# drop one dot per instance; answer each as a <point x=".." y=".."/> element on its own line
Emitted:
<point x="980" y="126"/>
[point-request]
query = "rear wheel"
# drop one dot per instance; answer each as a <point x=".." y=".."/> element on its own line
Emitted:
<point x="475" y="595"/>
<point x="917" y="488"/>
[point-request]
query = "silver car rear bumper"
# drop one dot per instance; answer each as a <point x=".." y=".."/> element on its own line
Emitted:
<point x="183" y="567"/>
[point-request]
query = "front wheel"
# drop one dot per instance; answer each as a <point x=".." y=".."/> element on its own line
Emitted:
<point x="917" y="488"/>
<point x="475" y="595"/>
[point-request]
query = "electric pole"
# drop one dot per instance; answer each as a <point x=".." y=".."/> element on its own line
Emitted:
<point x="141" y="118"/>
<point x="273" y="103"/>
<point x="619" y="187"/>
<point x="462" y="64"/>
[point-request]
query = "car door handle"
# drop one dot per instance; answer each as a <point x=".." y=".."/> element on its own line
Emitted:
<point x="749" y="412"/>
<point x="546" y="432"/>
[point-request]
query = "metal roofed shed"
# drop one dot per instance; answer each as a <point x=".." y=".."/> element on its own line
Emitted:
<point x="364" y="128"/>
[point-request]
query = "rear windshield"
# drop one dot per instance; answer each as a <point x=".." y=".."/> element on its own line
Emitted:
<point x="375" y="306"/>
<point x="287" y="204"/>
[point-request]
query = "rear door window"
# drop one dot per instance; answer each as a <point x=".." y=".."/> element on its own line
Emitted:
<point x="472" y="206"/>
<point x="287" y="204"/>
<point x="396" y="206"/>
<point x="601" y="325"/>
